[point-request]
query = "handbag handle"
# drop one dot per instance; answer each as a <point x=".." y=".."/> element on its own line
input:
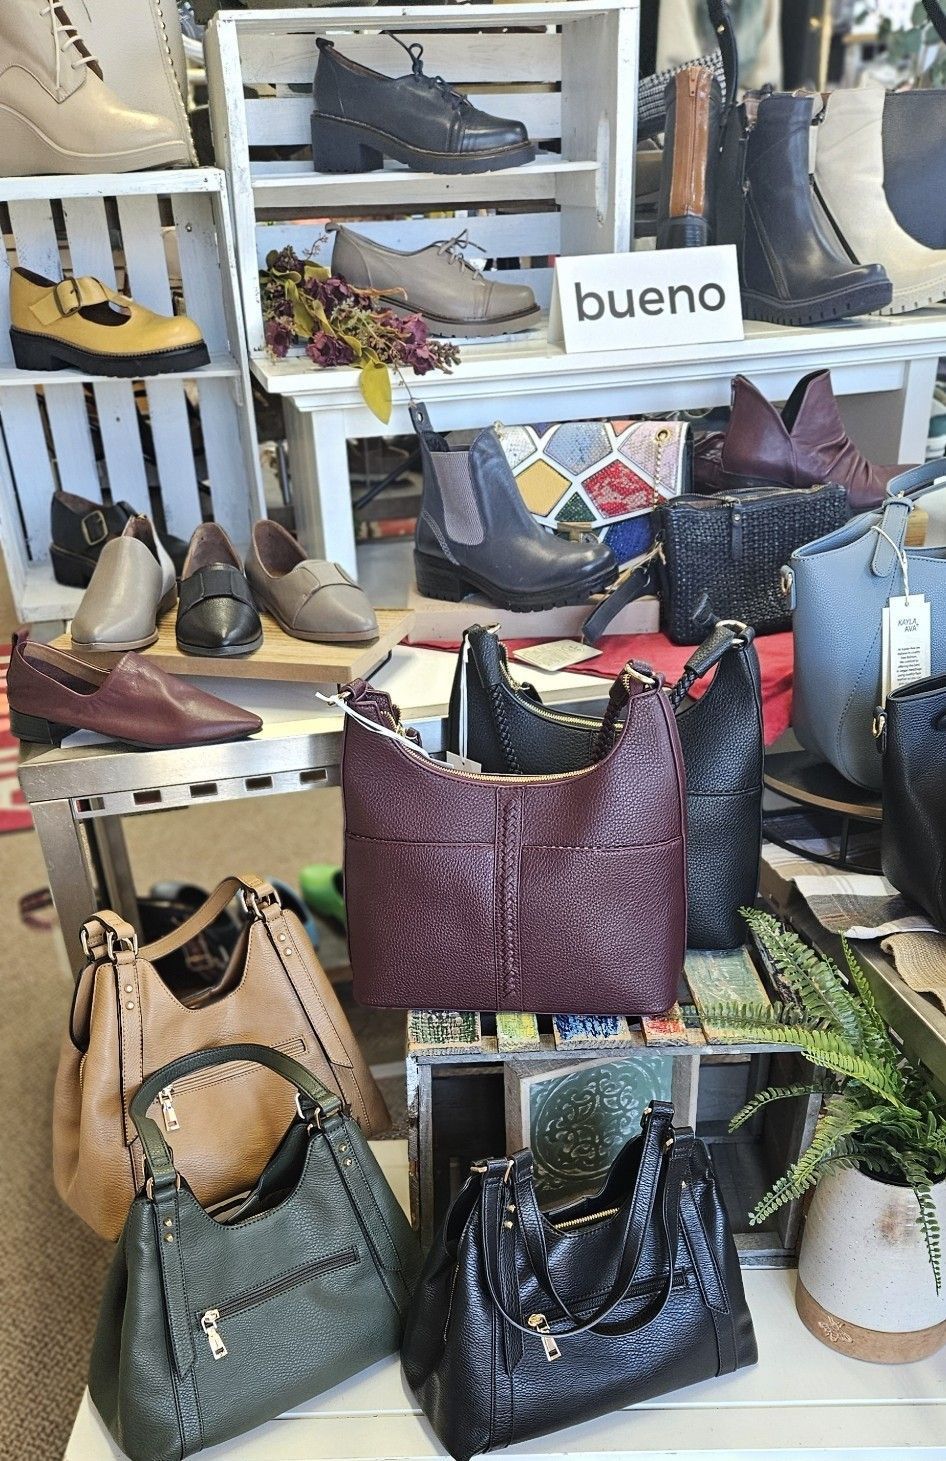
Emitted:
<point x="726" y="634"/>
<point x="664" y="1160"/>
<point x="936" y="18"/>
<point x="159" y="1159"/>
<point x="106" y="927"/>
<point x="633" y="678"/>
<point x="721" y="21"/>
<point x="902" y="492"/>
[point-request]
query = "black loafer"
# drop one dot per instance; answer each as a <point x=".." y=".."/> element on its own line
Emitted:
<point x="216" y="614"/>
<point x="361" y="117"/>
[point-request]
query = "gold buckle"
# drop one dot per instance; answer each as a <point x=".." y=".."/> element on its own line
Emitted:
<point x="98" y="517"/>
<point x="115" y="940"/>
<point x="72" y="291"/>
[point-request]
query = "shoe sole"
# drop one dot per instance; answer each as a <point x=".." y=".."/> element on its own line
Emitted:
<point x="869" y="299"/>
<point x="438" y="579"/>
<point x="119" y="646"/>
<point x="27" y="151"/>
<point x="313" y="637"/>
<point x="37" y="731"/>
<point x="345" y="146"/>
<point x="233" y="651"/>
<point x="439" y="325"/>
<point x="905" y="303"/>
<point x="41" y="352"/>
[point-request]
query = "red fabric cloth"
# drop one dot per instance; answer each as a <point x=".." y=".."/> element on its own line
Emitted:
<point x="776" y="661"/>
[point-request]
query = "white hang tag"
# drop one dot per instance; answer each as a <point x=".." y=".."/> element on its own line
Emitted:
<point x="908" y="641"/>
<point x="461" y="763"/>
<point x="372" y="725"/>
<point x="885" y="654"/>
<point x="557" y="654"/>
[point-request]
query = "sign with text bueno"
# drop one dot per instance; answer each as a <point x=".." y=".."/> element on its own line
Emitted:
<point x="647" y="299"/>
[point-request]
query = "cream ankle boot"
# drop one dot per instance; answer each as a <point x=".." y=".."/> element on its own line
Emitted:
<point x="56" y="113"/>
<point x="849" y="180"/>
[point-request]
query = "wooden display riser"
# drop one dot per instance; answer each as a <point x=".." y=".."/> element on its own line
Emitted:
<point x="280" y="657"/>
<point x="801" y="1402"/>
<point x="436" y="621"/>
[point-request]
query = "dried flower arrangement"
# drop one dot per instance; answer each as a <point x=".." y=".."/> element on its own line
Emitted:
<point x="304" y="303"/>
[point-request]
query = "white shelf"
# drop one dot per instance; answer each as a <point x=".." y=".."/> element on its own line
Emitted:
<point x="220" y="367"/>
<point x="801" y="1401"/>
<point x="429" y="17"/>
<point x="296" y="182"/>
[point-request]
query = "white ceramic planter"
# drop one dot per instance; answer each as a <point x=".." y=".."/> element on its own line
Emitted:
<point x="865" y="1285"/>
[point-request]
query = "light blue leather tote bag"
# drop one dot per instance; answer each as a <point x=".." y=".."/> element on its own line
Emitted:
<point x="838" y="586"/>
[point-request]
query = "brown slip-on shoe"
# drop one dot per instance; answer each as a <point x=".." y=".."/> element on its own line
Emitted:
<point x="308" y="597"/>
<point x="52" y="694"/>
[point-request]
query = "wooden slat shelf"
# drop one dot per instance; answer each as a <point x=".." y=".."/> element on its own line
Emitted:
<point x="274" y="183"/>
<point x="219" y="366"/>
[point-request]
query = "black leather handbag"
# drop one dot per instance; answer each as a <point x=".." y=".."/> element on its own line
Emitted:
<point x="912" y="737"/>
<point x="523" y="1322"/>
<point x="731" y="548"/>
<point x="504" y="726"/>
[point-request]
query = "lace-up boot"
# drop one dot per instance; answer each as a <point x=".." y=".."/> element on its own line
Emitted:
<point x="436" y="282"/>
<point x="56" y="113"/>
<point x="361" y="117"/>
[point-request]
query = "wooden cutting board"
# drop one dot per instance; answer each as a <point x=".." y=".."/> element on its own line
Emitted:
<point x="279" y="657"/>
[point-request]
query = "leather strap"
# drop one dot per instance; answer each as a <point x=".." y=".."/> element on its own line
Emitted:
<point x="721" y="21"/>
<point x="71" y="295"/>
<point x="902" y="492"/>
<point x="632" y="680"/>
<point x="367" y="1211"/>
<point x="721" y="638"/>
<point x="217" y="581"/>
<point x="664" y="1161"/>
<point x="936" y="18"/>
<point x="319" y="1102"/>
<point x="634" y="585"/>
<point x="258" y="893"/>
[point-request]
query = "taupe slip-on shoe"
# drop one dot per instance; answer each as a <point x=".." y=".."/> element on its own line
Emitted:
<point x="134" y="583"/>
<point x="308" y="597"/>
<point x="436" y="282"/>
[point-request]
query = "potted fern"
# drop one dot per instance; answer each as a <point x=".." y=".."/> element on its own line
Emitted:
<point x="870" y="1268"/>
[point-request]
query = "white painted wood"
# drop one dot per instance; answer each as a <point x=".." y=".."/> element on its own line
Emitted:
<point x="45" y="416"/>
<point x="599" y="121"/>
<point x="323" y="512"/>
<point x="11" y="532"/>
<point x="467" y="59"/>
<point x="294" y="184"/>
<point x="285" y="121"/>
<point x="801" y="1402"/>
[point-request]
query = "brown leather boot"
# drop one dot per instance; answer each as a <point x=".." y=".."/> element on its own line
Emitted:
<point x="803" y="444"/>
<point x="691" y="146"/>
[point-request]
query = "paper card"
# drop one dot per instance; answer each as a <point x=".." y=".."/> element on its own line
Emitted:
<point x="907" y="640"/>
<point x="461" y="763"/>
<point x="557" y="654"/>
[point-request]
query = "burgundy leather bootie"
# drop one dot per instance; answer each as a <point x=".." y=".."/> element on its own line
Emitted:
<point x="803" y="444"/>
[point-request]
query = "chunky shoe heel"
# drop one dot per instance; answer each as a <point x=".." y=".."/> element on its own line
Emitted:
<point x="683" y="233"/>
<point x="71" y="569"/>
<point x="32" y="352"/>
<point x="337" y="148"/>
<point x="41" y="732"/>
<point x="437" y="579"/>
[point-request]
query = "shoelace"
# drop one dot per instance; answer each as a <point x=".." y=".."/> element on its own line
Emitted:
<point x="416" y="51"/>
<point x="452" y="250"/>
<point x="65" y="36"/>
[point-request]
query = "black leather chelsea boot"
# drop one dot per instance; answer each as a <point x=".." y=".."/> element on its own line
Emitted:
<point x="476" y="535"/>
<point x="361" y="117"/>
<point x="793" y="269"/>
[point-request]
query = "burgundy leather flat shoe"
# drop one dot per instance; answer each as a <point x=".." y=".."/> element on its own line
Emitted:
<point x="52" y="694"/>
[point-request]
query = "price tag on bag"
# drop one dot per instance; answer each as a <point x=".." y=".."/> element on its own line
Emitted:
<point x="905" y="642"/>
<point x="556" y="654"/>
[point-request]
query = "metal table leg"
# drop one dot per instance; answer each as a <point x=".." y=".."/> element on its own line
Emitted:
<point x="70" y="869"/>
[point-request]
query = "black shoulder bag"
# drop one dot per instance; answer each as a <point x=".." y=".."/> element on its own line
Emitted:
<point x="524" y="1322"/>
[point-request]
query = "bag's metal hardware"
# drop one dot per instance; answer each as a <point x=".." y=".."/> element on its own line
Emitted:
<point x="311" y="1120"/>
<point x="115" y="941"/>
<point x="668" y="1144"/>
<point x="540" y="1324"/>
<point x="208" y="1323"/>
<point x="149" y="1185"/>
<point x="98" y="517"/>
<point x="879" y="723"/>
<point x="253" y="904"/>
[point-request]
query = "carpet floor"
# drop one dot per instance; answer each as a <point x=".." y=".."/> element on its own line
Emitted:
<point x="51" y="1266"/>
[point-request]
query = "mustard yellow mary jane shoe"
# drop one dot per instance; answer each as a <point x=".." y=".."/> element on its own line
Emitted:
<point x="81" y="324"/>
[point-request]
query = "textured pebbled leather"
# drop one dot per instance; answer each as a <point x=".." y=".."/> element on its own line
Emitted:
<point x="215" y="613"/>
<point x="133" y="701"/>
<point x="320" y="1262"/>
<point x="667" y="1257"/>
<point x="126" y="1022"/>
<point x="557" y="894"/>
<point x="509" y="730"/>
<point x="913" y="838"/>
<point x="803" y="444"/>
<point x="730" y="549"/>
<point x="842" y="583"/>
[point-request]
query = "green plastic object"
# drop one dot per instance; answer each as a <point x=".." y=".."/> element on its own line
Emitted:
<point x="323" y="890"/>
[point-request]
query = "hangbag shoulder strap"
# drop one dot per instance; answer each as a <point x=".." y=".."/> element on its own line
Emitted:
<point x="724" y="636"/>
<point x="903" y="492"/>
<point x="95" y="931"/>
<point x="722" y="23"/>
<point x="633" y="679"/>
<point x="936" y="17"/>
<point x="664" y="1162"/>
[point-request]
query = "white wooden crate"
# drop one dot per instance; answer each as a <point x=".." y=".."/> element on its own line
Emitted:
<point x="157" y="231"/>
<point x="575" y="85"/>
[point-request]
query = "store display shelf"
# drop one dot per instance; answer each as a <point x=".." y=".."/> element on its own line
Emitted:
<point x="219" y="367"/>
<point x="428" y="17"/>
<point x="548" y="176"/>
<point x="802" y="1400"/>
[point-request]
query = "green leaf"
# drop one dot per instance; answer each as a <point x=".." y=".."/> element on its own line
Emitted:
<point x="375" y="382"/>
<point x="316" y="271"/>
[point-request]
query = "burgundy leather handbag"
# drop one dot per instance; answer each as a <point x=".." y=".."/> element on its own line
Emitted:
<point x="549" y="894"/>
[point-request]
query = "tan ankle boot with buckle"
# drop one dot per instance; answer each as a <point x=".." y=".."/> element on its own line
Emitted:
<point x="56" y="113"/>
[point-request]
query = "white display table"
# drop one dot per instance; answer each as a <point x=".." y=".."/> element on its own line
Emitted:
<point x="801" y="1400"/>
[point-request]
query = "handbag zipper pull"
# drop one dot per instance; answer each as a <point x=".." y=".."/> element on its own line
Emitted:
<point x="166" y="1100"/>
<point x="208" y="1323"/>
<point x="540" y="1324"/>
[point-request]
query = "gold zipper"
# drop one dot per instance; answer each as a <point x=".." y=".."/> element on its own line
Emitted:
<point x="166" y="1097"/>
<point x="540" y="1324"/>
<point x="582" y="1222"/>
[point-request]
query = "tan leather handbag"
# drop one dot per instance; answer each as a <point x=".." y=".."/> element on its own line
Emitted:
<point x="126" y="1022"/>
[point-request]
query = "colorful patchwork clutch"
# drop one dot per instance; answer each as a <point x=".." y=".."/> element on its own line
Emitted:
<point x="601" y="477"/>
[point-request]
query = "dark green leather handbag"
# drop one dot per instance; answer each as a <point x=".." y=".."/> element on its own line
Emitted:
<point x="212" y="1324"/>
